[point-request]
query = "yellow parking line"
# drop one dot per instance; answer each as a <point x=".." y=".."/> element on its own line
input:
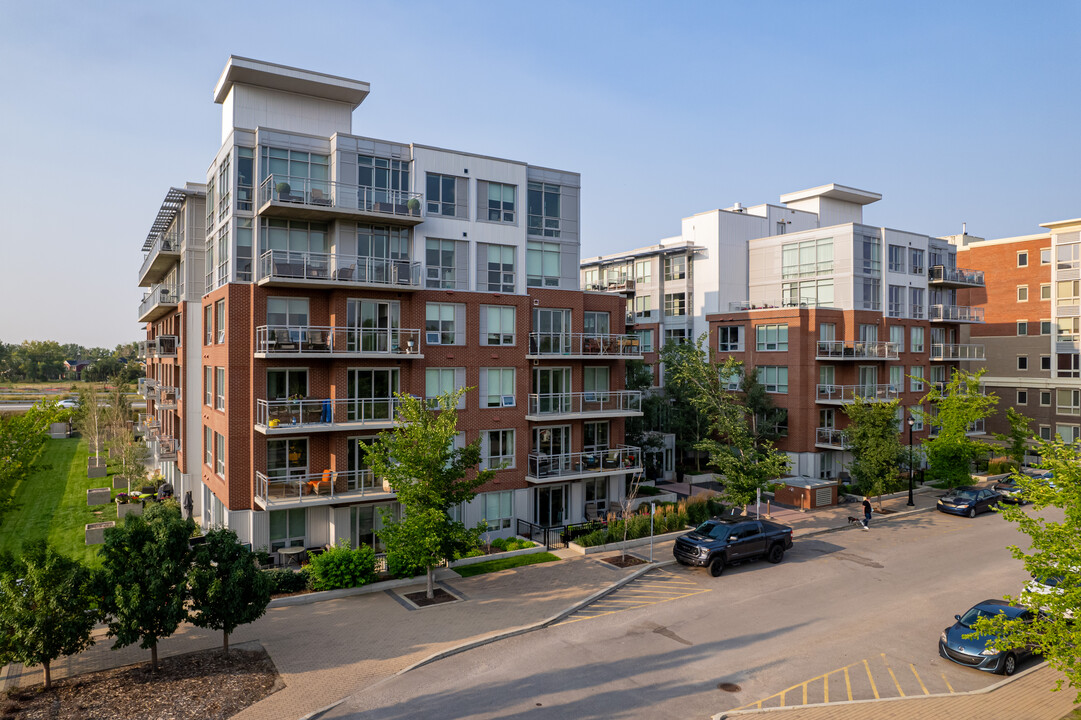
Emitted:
<point x="848" y="685"/>
<point x="805" y="693"/>
<point x="947" y="683"/>
<point x="826" y="691"/>
<point x="873" y="688"/>
<point x="782" y="697"/>
<point x="918" y="679"/>
<point x="782" y="694"/>
<point x="890" y="671"/>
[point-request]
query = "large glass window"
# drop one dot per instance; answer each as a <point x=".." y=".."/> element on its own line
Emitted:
<point x="915" y="299"/>
<point x="643" y="272"/>
<point x="219" y="384"/>
<point x="542" y="264"/>
<point x="595" y="436"/>
<point x="497" y="387"/>
<point x="287" y="528"/>
<point x="645" y="340"/>
<point x="219" y="319"/>
<point x="243" y="249"/>
<point x="675" y="267"/>
<point x="870" y="290"/>
<point x="916" y="378"/>
<point x="380" y="242"/>
<point x="499" y="261"/>
<point x="446" y="196"/>
<point x="897" y="258"/>
<point x="730" y="338"/>
<point x="543" y="208"/>
<point x="916" y="264"/>
<point x="595" y="379"/>
<point x="296" y="174"/>
<point x="596" y="323"/>
<point x="498" y="325"/>
<point x="870" y="256"/>
<point x="771" y="337"/>
<point x="295" y="236"/>
<point x="807" y="258"/>
<point x="896" y="305"/>
<point x="287" y="311"/>
<point x="445" y="261"/>
<point x="384" y="178"/>
<point x="444" y="324"/>
<point x="499" y="449"/>
<point x="917" y="340"/>
<point x="245" y="177"/>
<point x="774" y="378"/>
<point x="287" y="458"/>
<point x="897" y="337"/>
<point x="643" y="305"/>
<point x="443" y="381"/>
<point x="501" y="202"/>
<point x="811" y="293"/>
<point x="498" y="509"/>
<point x="283" y="384"/>
<point x="675" y="304"/>
<point x="219" y="454"/>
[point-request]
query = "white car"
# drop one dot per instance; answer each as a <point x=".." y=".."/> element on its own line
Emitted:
<point x="68" y="403"/>
<point x="1045" y="586"/>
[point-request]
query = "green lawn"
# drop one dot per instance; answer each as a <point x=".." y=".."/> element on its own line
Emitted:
<point x="504" y="564"/>
<point x="51" y="503"/>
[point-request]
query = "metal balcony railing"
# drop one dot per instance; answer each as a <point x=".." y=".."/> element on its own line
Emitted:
<point x="145" y="384"/>
<point x="592" y="345"/>
<point x="331" y="195"/>
<point x="831" y="437"/>
<point x="951" y="351"/>
<point x="942" y="275"/>
<point x="286" y="340"/>
<point x="167" y="448"/>
<point x="620" y="459"/>
<point x="315" y="413"/>
<point x="956" y="313"/>
<point x="746" y="305"/>
<point x="855" y="350"/>
<point x="281" y="488"/>
<point x="161" y="298"/>
<point x="165" y="345"/>
<point x="166" y="398"/>
<point x="334" y="268"/>
<point x="166" y="247"/>
<point x="610" y="402"/>
<point x="849" y="393"/>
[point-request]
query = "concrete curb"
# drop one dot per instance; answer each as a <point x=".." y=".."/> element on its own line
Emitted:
<point x="745" y="713"/>
<point x="376" y="587"/>
<point x="849" y="526"/>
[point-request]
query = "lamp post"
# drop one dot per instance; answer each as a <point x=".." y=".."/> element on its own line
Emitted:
<point x="911" y="463"/>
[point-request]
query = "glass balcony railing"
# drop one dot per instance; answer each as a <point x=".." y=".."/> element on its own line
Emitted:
<point x="542" y="344"/>
<point x="942" y="275"/>
<point x="163" y="252"/>
<point x="607" y="402"/>
<point x="166" y="398"/>
<point x="956" y="313"/>
<point x="849" y="393"/>
<point x="855" y="350"/>
<point x="951" y="351"/>
<point x="287" y="340"/>
<point x="831" y="437"/>
<point x="620" y="459"/>
<point x="165" y="345"/>
<point x="167" y="448"/>
<point x="334" y="268"/>
<point x="159" y="301"/>
<point x="280" y="487"/>
<point x="324" y="414"/>
<point x="330" y="195"/>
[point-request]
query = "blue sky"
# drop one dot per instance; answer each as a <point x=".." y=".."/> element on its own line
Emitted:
<point x="954" y="111"/>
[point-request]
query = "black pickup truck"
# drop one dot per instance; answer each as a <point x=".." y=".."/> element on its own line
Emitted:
<point x="719" y="542"/>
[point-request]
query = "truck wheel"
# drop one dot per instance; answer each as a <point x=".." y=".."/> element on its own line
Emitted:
<point x="716" y="567"/>
<point x="776" y="554"/>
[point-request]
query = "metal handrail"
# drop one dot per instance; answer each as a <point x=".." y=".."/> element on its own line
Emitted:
<point x="331" y="483"/>
<point x="831" y="436"/>
<point x="336" y="267"/>
<point x="585" y="402"/>
<point x="331" y="339"/>
<point x="957" y="313"/>
<point x="856" y="350"/>
<point x="310" y="412"/>
<point x="560" y="343"/>
<point x="941" y="273"/>
<point x="339" y="196"/>
<point x="164" y="242"/>
<point x="745" y="305"/>
<point x="620" y="457"/>
<point x="848" y="393"/>
<point x="158" y="294"/>
<point x="951" y="351"/>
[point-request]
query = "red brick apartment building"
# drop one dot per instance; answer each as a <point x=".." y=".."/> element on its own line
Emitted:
<point x="338" y="270"/>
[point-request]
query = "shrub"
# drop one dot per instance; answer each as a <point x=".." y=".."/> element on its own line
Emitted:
<point x="700" y="508"/>
<point x="342" y="567"/>
<point x="499" y="544"/>
<point x="400" y="566"/>
<point x="284" y="580"/>
<point x="998" y="466"/>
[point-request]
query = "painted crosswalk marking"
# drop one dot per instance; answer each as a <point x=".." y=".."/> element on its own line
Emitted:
<point x="655" y="587"/>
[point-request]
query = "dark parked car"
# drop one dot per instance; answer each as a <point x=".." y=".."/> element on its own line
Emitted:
<point x="980" y="653"/>
<point x="719" y="542"/>
<point x="1010" y="491"/>
<point x="968" y="501"/>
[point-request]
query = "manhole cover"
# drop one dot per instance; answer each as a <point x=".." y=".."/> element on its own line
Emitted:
<point x="729" y="687"/>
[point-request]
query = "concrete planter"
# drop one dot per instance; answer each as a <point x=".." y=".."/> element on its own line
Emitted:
<point x="498" y="556"/>
<point x="575" y="547"/>
<point x="699" y="479"/>
<point x="96" y="468"/>
<point x="95" y="532"/>
<point x="121" y="483"/>
<point x="125" y="509"/>
<point x="60" y="430"/>
<point x="99" y="496"/>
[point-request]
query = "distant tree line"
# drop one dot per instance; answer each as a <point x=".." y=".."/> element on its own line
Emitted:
<point x="43" y="360"/>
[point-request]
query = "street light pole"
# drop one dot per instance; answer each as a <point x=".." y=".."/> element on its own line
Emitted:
<point x="911" y="462"/>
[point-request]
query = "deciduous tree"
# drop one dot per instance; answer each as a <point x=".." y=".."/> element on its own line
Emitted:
<point x="874" y="444"/>
<point x="22" y="436"/>
<point x="955" y="410"/>
<point x="1017" y="438"/>
<point x="227" y="589"/>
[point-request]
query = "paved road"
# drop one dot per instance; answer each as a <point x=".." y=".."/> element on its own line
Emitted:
<point x="852" y="614"/>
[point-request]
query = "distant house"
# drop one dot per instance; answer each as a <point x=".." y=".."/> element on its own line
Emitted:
<point x="74" y="368"/>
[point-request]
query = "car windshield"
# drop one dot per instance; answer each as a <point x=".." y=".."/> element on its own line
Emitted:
<point x="970" y="618"/>
<point x="966" y="494"/>
<point x="715" y="530"/>
<point x="1049" y="581"/>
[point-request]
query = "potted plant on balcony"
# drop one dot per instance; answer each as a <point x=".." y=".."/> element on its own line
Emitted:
<point x="414" y="206"/>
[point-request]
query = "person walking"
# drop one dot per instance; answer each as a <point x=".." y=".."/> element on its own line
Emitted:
<point x="866" y="512"/>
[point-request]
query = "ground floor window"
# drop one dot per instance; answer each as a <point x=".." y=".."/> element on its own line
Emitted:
<point x="366" y="521"/>
<point x="498" y="509"/>
<point x="596" y="494"/>
<point x="287" y="528"/>
<point x="550" y="505"/>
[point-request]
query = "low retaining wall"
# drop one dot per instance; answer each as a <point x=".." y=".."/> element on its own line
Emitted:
<point x="499" y="556"/>
<point x="575" y="547"/>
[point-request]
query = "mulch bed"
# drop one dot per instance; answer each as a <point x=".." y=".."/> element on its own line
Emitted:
<point x="206" y="685"/>
<point x="421" y="599"/>
<point x="624" y="561"/>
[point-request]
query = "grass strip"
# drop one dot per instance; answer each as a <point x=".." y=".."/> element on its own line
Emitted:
<point x="489" y="566"/>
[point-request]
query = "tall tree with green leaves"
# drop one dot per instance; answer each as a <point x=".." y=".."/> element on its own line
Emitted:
<point x="22" y="436"/>
<point x="683" y="417"/>
<point x="1054" y="552"/>
<point x="429" y="476"/>
<point x="1017" y="438"/>
<point x="144" y="577"/>
<point x="747" y="464"/>
<point x="48" y="608"/>
<point x="956" y="408"/>
<point x="227" y="589"/>
<point x="92" y="421"/>
<point x="645" y="431"/>
<point x="875" y="446"/>
<point x="765" y="418"/>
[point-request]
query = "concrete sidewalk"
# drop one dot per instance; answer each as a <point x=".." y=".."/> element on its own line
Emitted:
<point x="1026" y="696"/>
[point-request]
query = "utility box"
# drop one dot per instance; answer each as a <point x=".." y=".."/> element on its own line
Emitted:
<point x="806" y="493"/>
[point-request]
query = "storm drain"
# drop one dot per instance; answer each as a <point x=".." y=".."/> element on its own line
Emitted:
<point x="729" y="687"/>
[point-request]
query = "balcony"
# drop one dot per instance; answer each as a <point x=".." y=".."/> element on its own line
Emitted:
<point x="291" y="268"/>
<point x="620" y="460"/>
<point x="323" y="200"/>
<point x="584" y="405"/>
<point x="950" y="351"/>
<point x="274" y="493"/>
<point x="315" y="341"/>
<point x="159" y="302"/>
<point x="943" y="276"/>
<point x="164" y="252"/>
<point x="143" y="351"/>
<point x="146" y="384"/>
<point x="831" y="439"/>
<point x="284" y="417"/>
<point x="569" y="346"/>
<point x="749" y="305"/>
<point x="164" y="346"/>
<point x="855" y="350"/>
<point x="956" y="313"/>
<point x="844" y="394"/>
<point x="167" y="448"/>
<point x="166" y="398"/>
